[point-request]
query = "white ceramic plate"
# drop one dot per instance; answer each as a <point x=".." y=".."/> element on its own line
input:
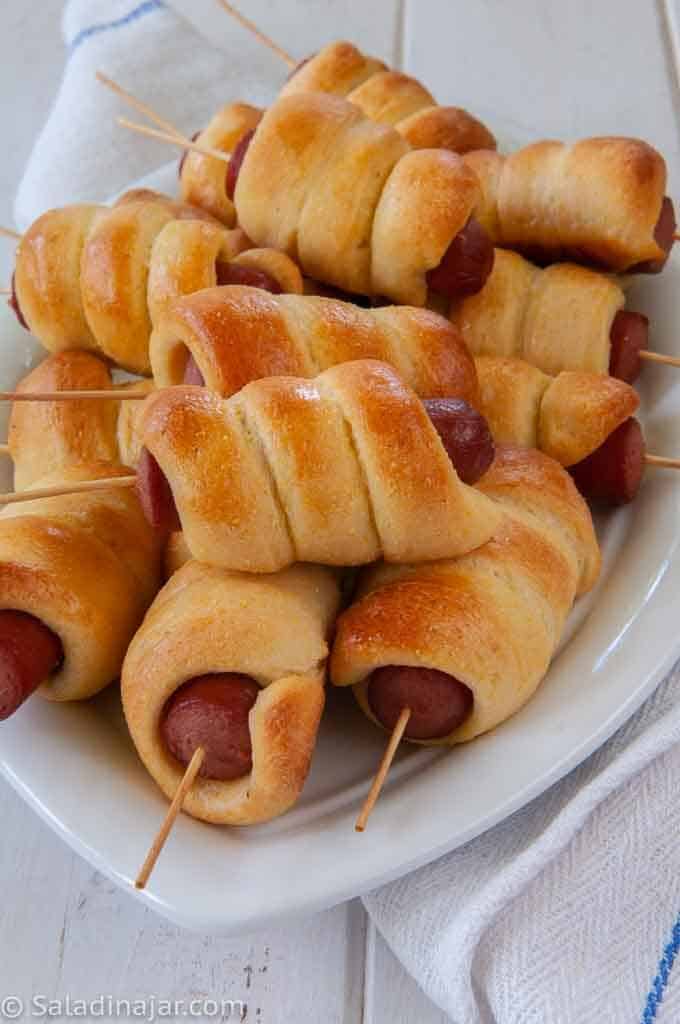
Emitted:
<point x="76" y="765"/>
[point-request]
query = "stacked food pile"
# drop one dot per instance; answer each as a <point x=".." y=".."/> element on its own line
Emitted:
<point x="363" y="438"/>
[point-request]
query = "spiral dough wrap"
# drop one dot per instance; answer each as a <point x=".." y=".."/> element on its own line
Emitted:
<point x="271" y="628"/>
<point x="492" y="619"/>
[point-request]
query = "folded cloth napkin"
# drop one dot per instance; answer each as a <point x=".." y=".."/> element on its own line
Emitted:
<point x="144" y="45"/>
<point x="566" y="912"/>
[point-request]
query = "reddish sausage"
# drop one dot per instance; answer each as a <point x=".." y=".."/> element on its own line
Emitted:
<point x="664" y="235"/>
<point x="467" y="263"/>
<point x="465" y="434"/>
<point x="613" y="472"/>
<point x="212" y="712"/>
<point x="155" y="495"/>
<point x="29" y="652"/>
<point x="629" y="336"/>
<point x="439" y="702"/>
<point x="13" y="303"/>
<point x="192" y="373"/>
<point x="235" y="160"/>
<point x="234" y="273"/>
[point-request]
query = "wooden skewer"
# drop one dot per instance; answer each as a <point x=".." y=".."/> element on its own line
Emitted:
<point x="4" y="449"/>
<point x="174" y="140"/>
<point x="384" y="767"/>
<point x="83" y="486"/>
<point x="175" y="807"/>
<point x="77" y="487"/>
<point x="143" y="108"/>
<point x="662" y="462"/>
<point x="258" y="33"/>
<point x="9" y="233"/>
<point x="118" y="395"/>
<point x="5" y="291"/>
<point x="659" y="357"/>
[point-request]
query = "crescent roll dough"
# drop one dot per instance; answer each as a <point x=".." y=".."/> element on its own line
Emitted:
<point x="339" y="470"/>
<point x="45" y="437"/>
<point x="238" y="334"/>
<point x="600" y="197"/>
<point x="272" y="628"/>
<point x="567" y="416"/>
<point x="556" y="319"/>
<point x="493" y="618"/>
<point x="349" y="200"/>
<point x="186" y="256"/>
<point x="203" y="179"/>
<point x="87" y="566"/>
<point x="389" y="97"/>
<point x="82" y="271"/>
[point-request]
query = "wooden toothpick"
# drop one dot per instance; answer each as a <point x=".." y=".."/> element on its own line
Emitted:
<point x="139" y="105"/>
<point x="175" y="807"/>
<point x="172" y="139"/>
<point x="258" y="33"/>
<point x="117" y="395"/>
<point x="383" y="769"/>
<point x="77" y="487"/>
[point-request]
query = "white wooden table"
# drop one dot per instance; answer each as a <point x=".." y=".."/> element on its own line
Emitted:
<point x="555" y="68"/>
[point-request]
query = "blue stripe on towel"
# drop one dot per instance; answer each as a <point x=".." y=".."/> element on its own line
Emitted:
<point x="147" y="7"/>
<point x="662" y="975"/>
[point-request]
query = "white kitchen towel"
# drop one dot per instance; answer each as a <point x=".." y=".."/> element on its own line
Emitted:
<point x="81" y="153"/>
<point x="567" y="912"/>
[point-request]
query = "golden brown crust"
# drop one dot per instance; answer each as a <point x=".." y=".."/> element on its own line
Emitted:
<point x="491" y="619"/>
<point x="86" y="565"/>
<point x="272" y="628"/>
<point x="390" y="98"/>
<point x="429" y="197"/>
<point x="47" y="277"/>
<point x="46" y="436"/>
<point x="337" y="68"/>
<point x="349" y="201"/>
<point x="488" y="166"/>
<point x="203" y="178"/>
<point x="338" y="470"/>
<point x="238" y="334"/>
<point x="579" y="411"/>
<point x="567" y="416"/>
<point x="446" y="128"/>
<point x="556" y="319"/>
<point x="113" y="278"/>
<point x="183" y="260"/>
<point x="600" y="197"/>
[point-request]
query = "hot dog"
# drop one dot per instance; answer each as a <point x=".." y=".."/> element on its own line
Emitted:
<point x="155" y="496"/>
<point x="438" y="702"/>
<point x="29" y="653"/>
<point x="212" y="712"/>
<point x="664" y="236"/>
<point x="629" y="336"/>
<point x="613" y="473"/>
<point x="233" y="273"/>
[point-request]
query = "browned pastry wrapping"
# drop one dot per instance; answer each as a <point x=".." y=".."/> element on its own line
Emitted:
<point x="45" y="437"/>
<point x="84" y="565"/>
<point x="567" y="416"/>
<point x="272" y="629"/>
<point x="391" y="98"/>
<point x="598" y="200"/>
<point x="491" y="620"/>
<point x="340" y="470"/>
<point x="203" y="179"/>
<point x="559" y="318"/>
<point x="237" y="334"/>
<point x="349" y="200"/>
